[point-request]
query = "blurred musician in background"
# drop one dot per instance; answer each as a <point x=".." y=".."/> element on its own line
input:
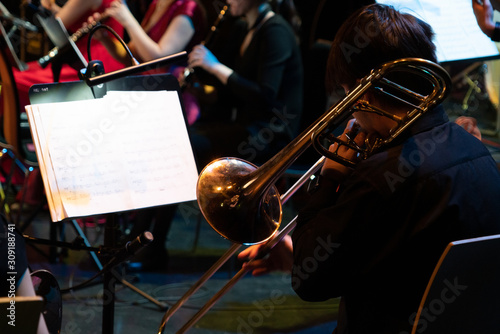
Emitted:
<point x="374" y="234"/>
<point x="259" y="88"/>
<point x="483" y="11"/>
<point x="168" y="27"/>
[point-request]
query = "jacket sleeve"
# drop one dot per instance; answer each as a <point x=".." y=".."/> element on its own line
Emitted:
<point x="275" y="49"/>
<point x="324" y="263"/>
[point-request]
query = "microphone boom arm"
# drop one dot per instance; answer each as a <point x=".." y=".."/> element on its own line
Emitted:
<point x="100" y="79"/>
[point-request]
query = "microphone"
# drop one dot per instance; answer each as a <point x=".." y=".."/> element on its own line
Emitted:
<point x="131" y="248"/>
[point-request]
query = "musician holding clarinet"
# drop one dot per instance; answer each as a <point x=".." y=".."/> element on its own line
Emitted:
<point x="373" y="234"/>
<point x="259" y="89"/>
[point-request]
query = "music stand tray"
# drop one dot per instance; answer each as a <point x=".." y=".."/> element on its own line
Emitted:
<point x="57" y="33"/>
<point x="12" y="57"/>
<point x="46" y="97"/>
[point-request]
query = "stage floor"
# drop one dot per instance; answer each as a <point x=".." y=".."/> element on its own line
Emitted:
<point x="264" y="304"/>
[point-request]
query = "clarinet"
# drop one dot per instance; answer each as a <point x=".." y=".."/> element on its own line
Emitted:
<point x="188" y="72"/>
<point x="45" y="60"/>
<point x="213" y="28"/>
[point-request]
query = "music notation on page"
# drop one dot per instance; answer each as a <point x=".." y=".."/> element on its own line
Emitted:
<point x="125" y="151"/>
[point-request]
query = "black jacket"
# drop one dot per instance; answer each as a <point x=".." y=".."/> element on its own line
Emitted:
<point x="376" y="240"/>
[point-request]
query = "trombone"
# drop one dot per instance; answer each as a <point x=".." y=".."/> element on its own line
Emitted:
<point x="240" y="200"/>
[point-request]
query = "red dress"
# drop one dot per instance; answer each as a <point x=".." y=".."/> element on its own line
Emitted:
<point x="36" y="74"/>
<point x="190" y="8"/>
<point x="193" y="10"/>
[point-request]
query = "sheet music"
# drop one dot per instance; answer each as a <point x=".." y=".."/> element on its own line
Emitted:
<point x="125" y="151"/>
<point x="458" y="37"/>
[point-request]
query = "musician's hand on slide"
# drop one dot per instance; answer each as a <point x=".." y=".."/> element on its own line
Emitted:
<point x="279" y="259"/>
<point x="484" y="16"/>
<point x="344" y="151"/>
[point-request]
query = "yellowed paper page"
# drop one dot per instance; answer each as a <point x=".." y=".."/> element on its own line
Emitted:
<point x="125" y="151"/>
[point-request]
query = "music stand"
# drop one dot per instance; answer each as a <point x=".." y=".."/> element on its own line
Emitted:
<point x="79" y="91"/>
<point x="463" y="294"/>
<point x="12" y="57"/>
<point x="457" y="34"/>
<point x="58" y="35"/>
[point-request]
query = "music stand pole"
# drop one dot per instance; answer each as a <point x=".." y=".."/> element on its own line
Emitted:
<point x="109" y="235"/>
<point x="109" y="281"/>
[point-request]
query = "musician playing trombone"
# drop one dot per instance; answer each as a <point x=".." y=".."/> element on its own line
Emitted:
<point x="373" y="234"/>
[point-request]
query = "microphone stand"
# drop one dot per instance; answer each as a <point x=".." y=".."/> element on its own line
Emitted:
<point x="81" y="243"/>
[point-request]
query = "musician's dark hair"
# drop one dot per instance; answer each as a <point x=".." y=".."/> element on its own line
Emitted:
<point x="373" y="35"/>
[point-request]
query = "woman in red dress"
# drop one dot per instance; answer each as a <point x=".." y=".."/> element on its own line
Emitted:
<point x="168" y="27"/>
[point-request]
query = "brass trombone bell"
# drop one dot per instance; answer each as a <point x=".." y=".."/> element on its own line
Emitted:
<point x="220" y="188"/>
